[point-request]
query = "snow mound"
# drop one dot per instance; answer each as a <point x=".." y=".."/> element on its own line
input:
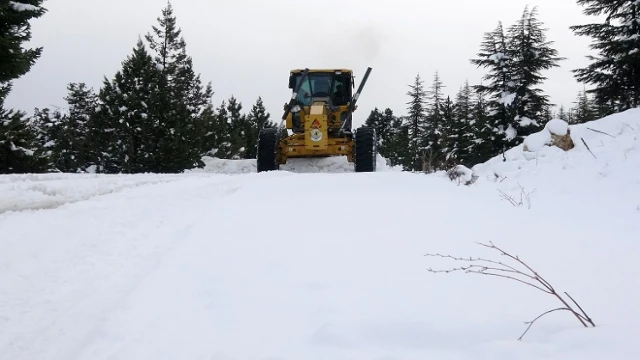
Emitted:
<point x="606" y="152"/>
<point x="48" y="191"/>
<point x="338" y="164"/>
<point x="602" y="146"/>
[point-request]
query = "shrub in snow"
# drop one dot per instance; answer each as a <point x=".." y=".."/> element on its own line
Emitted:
<point x="462" y="173"/>
<point x="555" y="133"/>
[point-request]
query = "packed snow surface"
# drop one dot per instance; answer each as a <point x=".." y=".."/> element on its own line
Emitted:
<point x="314" y="262"/>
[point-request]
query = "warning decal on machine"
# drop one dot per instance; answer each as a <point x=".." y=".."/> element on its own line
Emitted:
<point x="315" y="124"/>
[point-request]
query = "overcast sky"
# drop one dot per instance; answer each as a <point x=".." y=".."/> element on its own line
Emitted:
<point x="247" y="47"/>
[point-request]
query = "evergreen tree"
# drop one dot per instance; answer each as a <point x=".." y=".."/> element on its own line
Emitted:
<point x="381" y="122"/>
<point x="48" y="126"/>
<point x="240" y="129"/>
<point x="397" y="148"/>
<point x="615" y="71"/>
<point x="449" y="137"/>
<point x="531" y="53"/>
<point x="483" y="137"/>
<point x="71" y="150"/>
<point x="20" y="151"/>
<point x="459" y="129"/>
<point x="127" y="132"/>
<point x="562" y="114"/>
<point x="434" y="126"/>
<point x="181" y="99"/>
<point x="583" y="111"/>
<point x="416" y="121"/>
<point x="219" y="140"/>
<point x="498" y="59"/>
<point x="15" y="31"/>
<point x="257" y="119"/>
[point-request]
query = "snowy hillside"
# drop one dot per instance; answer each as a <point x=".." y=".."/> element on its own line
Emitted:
<point x="227" y="264"/>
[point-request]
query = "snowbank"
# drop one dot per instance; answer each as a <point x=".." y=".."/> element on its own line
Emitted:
<point x="606" y="153"/>
<point x="48" y="191"/>
<point x="600" y="146"/>
<point x="338" y="164"/>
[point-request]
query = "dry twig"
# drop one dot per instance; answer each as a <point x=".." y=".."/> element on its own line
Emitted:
<point x="601" y="132"/>
<point x="520" y="272"/>
<point x="585" y="144"/>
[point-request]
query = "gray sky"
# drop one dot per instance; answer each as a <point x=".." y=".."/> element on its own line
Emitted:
<point x="247" y="47"/>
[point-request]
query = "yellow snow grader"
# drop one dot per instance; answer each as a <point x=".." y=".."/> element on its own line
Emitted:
<point x="319" y="116"/>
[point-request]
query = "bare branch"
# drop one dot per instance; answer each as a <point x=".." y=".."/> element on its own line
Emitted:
<point x="527" y="276"/>
<point x="601" y="132"/>
<point x="538" y="317"/>
<point x="586" y="317"/>
<point x="585" y="144"/>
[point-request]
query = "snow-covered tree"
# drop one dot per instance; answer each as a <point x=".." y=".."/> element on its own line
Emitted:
<point x="127" y="131"/>
<point x="15" y="32"/>
<point x="416" y="120"/>
<point x="434" y="126"/>
<point x="500" y="90"/>
<point x="584" y="110"/>
<point x="458" y="132"/>
<point x="530" y="53"/>
<point x="181" y="99"/>
<point x="20" y="151"/>
<point x="615" y="70"/>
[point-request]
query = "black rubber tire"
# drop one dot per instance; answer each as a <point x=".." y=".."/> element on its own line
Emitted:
<point x="366" y="149"/>
<point x="267" y="158"/>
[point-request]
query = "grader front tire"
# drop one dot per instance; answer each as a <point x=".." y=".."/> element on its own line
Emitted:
<point x="366" y="149"/>
<point x="268" y="150"/>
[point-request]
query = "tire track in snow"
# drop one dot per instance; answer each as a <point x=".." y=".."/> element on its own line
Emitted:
<point x="65" y="294"/>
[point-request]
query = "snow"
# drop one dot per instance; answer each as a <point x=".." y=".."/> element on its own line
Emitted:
<point x="557" y="127"/>
<point x="23" y="7"/>
<point x="537" y="141"/>
<point x="317" y="262"/>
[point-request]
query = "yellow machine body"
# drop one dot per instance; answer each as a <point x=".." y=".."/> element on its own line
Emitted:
<point x="318" y="122"/>
<point x="316" y="127"/>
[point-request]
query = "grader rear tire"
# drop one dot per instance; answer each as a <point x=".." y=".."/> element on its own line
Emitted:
<point x="366" y="149"/>
<point x="268" y="150"/>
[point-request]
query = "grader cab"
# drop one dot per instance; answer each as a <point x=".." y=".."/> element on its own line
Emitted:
<point x="319" y="117"/>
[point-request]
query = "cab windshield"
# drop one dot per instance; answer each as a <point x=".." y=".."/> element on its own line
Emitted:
<point x="323" y="85"/>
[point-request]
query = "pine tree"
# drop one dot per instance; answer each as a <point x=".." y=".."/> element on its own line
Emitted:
<point x="459" y="130"/>
<point x="239" y="129"/>
<point x="483" y="137"/>
<point x="219" y="140"/>
<point x="531" y="53"/>
<point x="15" y="31"/>
<point x="20" y="151"/>
<point x="449" y="137"/>
<point x="498" y="59"/>
<point x="182" y="99"/>
<point x="615" y="71"/>
<point x="562" y="114"/>
<point x="71" y="150"/>
<point x="257" y="119"/>
<point x="583" y="111"/>
<point x="374" y="120"/>
<point x="127" y="133"/>
<point x="434" y="125"/>
<point x="397" y="144"/>
<point x="416" y="121"/>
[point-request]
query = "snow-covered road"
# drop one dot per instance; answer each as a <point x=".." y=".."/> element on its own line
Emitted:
<point x="318" y="266"/>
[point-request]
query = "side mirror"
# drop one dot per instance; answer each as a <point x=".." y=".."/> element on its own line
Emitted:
<point x="292" y="81"/>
